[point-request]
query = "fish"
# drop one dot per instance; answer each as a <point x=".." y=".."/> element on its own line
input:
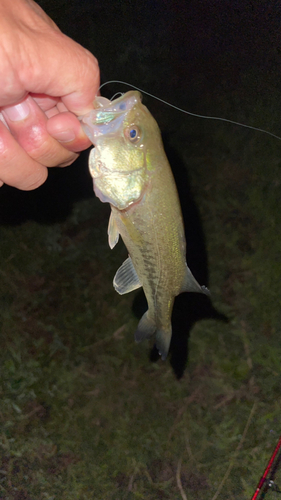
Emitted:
<point x="131" y="172"/>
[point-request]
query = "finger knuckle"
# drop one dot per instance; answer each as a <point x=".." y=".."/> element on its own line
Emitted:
<point x="33" y="139"/>
<point x="47" y="151"/>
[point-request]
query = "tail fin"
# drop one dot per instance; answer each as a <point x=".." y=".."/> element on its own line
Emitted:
<point x="163" y="340"/>
<point x="145" y="329"/>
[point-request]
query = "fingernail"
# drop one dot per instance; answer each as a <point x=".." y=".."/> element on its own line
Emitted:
<point x="17" y="112"/>
<point x="64" y="135"/>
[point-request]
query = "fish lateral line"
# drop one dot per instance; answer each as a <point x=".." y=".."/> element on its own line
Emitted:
<point x="196" y="115"/>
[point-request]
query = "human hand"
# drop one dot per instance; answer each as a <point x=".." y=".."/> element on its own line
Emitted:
<point x="46" y="81"/>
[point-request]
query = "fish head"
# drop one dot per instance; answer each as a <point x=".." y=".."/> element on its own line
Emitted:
<point x="123" y="132"/>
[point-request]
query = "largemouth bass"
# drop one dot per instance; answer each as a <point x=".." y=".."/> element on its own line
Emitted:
<point x="131" y="172"/>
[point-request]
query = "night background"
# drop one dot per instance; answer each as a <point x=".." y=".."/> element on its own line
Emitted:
<point x="85" y="413"/>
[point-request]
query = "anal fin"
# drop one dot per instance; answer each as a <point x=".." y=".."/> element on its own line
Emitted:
<point x="190" y="284"/>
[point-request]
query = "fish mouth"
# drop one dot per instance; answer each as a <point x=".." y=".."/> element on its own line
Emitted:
<point x="108" y="116"/>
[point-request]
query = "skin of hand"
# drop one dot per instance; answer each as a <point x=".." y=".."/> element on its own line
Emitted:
<point x="46" y="81"/>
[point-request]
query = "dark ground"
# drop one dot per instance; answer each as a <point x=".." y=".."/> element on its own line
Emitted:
<point x="85" y="414"/>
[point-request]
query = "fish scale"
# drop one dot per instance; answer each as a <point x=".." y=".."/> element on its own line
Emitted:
<point x="137" y="181"/>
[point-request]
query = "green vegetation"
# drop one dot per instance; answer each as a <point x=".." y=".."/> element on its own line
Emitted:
<point x="84" y="414"/>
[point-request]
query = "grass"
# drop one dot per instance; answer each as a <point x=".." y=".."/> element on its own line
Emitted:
<point x="83" y="413"/>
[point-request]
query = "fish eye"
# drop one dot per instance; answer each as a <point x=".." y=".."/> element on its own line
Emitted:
<point x="133" y="133"/>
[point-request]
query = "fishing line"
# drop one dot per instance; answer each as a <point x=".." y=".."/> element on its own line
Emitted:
<point x="189" y="112"/>
<point x="115" y="95"/>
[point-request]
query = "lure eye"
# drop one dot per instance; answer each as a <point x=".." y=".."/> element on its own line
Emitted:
<point x="122" y="106"/>
<point x="133" y="133"/>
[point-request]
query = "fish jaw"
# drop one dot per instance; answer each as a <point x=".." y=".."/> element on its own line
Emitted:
<point x="118" y="163"/>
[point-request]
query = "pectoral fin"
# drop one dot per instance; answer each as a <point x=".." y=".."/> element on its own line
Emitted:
<point x="112" y="231"/>
<point x="191" y="285"/>
<point x="126" y="279"/>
